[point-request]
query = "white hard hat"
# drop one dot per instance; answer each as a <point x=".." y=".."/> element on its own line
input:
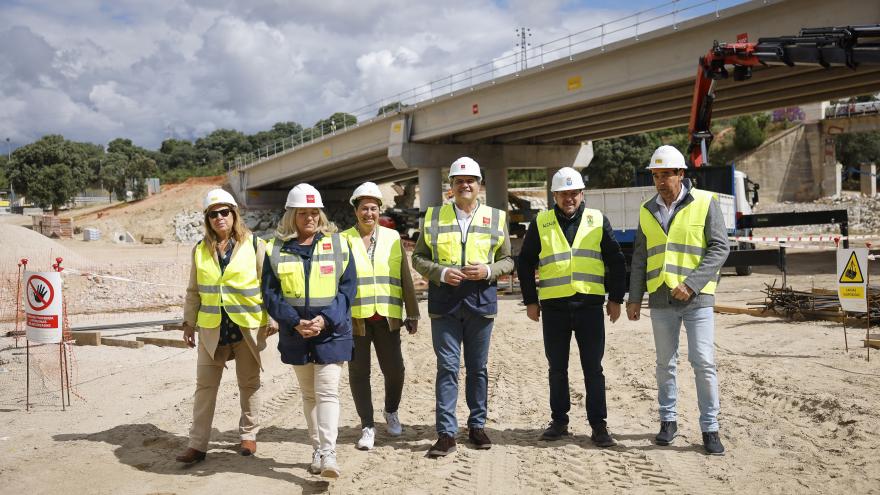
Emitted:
<point x="304" y="196"/>
<point x="366" y="190"/>
<point x="667" y="157"/>
<point x="216" y="197"/>
<point x="465" y="166"/>
<point x="566" y="179"/>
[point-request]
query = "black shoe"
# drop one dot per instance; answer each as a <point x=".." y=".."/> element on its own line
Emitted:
<point x="667" y="432"/>
<point x="478" y="437"/>
<point x="554" y="431"/>
<point x="444" y="445"/>
<point x="601" y="437"/>
<point x="712" y="443"/>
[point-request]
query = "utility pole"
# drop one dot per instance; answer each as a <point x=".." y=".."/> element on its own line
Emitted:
<point x="8" y="167"/>
<point x="523" y="37"/>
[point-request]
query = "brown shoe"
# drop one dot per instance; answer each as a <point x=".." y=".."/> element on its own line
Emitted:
<point x="445" y="445"/>
<point x="248" y="447"/>
<point x="190" y="456"/>
<point x="478" y="437"/>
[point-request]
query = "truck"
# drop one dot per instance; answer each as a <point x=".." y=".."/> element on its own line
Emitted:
<point x="735" y="192"/>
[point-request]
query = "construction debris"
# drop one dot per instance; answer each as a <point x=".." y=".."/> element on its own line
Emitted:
<point x="816" y="304"/>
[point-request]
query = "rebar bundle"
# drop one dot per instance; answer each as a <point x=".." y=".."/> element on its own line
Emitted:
<point x="815" y="303"/>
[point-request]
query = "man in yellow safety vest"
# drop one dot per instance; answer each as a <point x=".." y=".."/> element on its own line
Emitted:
<point x="680" y="246"/>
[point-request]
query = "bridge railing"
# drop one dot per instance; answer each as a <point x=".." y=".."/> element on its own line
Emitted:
<point x="667" y="15"/>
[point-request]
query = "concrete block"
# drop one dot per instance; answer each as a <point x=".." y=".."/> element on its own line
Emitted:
<point x="134" y="344"/>
<point x="87" y="338"/>
<point x="162" y="342"/>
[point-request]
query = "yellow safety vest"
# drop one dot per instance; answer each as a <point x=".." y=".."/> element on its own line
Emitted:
<point x="673" y="256"/>
<point x="237" y="289"/>
<point x="563" y="269"/>
<point x="329" y="261"/>
<point x="443" y="235"/>
<point x="379" y="287"/>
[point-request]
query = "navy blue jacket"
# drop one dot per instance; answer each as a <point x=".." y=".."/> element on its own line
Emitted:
<point x="334" y="344"/>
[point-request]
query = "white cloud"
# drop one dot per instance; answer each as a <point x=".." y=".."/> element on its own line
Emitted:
<point x="95" y="70"/>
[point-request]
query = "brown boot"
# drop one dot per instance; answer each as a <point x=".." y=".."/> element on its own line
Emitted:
<point x="190" y="456"/>
<point x="248" y="447"/>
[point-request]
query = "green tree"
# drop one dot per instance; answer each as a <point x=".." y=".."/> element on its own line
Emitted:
<point x="855" y="149"/>
<point x="27" y="173"/>
<point x="616" y="160"/>
<point x="335" y="122"/>
<point x="224" y="143"/>
<point x="747" y="134"/>
<point x="114" y="169"/>
<point x="390" y="108"/>
<point x="53" y="188"/>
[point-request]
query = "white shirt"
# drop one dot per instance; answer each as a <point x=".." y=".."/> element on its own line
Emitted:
<point x="464" y="223"/>
<point x="664" y="214"/>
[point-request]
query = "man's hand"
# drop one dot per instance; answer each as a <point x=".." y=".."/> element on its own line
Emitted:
<point x="271" y="327"/>
<point x="633" y="311"/>
<point x="682" y="292"/>
<point x="454" y="276"/>
<point x="533" y="311"/>
<point x="412" y="326"/>
<point x="475" y="271"/>
<point x="612" y="309"/>
<point x="189" y="334"/>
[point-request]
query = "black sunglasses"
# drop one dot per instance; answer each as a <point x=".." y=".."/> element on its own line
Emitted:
<point x="219" y="213"/>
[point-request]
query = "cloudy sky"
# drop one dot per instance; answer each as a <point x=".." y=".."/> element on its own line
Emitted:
<point x="148" y="70"/>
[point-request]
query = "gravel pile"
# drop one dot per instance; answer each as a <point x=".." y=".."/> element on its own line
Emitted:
<point x="863" y="213"/>
<point x="189" y="225"/>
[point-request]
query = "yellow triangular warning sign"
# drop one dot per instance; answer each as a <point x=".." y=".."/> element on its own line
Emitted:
<point x="852" y="274"/>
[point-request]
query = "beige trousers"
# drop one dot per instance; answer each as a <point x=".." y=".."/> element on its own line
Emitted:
<point x="319" y="384"/>
<point x="208" y="373"/>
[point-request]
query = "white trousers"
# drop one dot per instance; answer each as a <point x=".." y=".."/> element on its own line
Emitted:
<point x="319" y="384"/>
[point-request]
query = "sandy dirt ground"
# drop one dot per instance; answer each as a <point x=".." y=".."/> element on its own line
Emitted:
<point x="798" y="415"/>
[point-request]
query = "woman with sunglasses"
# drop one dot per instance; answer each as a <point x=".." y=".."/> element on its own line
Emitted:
<point x="223" y="301"/>
<point x="384" y="287"/>
<point x="309" y="283"/>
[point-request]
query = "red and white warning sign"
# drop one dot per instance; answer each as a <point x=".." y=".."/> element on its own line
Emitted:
<point x="43" y="307"/>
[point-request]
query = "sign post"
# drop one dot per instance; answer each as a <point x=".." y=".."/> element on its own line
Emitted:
<point x="852" y="285"/>
<point x="44" y="318"/>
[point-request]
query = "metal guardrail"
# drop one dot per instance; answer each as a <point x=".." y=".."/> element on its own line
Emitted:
<point x="666" y="15"/>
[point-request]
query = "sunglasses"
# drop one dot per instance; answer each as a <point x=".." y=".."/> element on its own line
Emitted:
<point x="219" y="213"/>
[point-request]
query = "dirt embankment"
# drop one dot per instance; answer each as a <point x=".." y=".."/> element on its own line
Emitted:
<point x="151" y="217"/>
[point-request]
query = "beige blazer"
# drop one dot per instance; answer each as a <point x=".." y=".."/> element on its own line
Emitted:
<point x="210" y="337"/>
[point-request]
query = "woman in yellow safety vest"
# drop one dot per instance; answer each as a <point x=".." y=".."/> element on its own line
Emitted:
<point x="223" y="301"/>
<point x="384" y="287"/>
<point x="309" y="283"/>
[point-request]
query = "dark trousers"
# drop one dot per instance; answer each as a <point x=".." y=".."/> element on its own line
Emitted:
<point x="390" y="359"/>
<point x="588" y="325"/>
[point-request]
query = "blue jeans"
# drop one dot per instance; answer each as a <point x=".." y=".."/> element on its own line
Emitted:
<point x="699" y="323"/>
<point x="448" y="333"/>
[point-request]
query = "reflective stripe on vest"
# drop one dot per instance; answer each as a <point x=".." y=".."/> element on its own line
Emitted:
<point x="673" y="256"/>
<point x="379" y="288"/>
<point x="329" y="260"/>
<point x="565" y="269"/>
<point x="443" y="235"/>
<point x="236" y="289"/>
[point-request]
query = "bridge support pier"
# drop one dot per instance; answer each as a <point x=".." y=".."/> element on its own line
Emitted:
<point x="495" y="180"/>
<point x="430" y="188"/>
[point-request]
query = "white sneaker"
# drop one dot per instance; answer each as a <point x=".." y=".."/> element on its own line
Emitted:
<point x="329" y="468"/>
<point x="393" y="424"/>
<point x="315" y="466"/>
<point x="368" y="438"/>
